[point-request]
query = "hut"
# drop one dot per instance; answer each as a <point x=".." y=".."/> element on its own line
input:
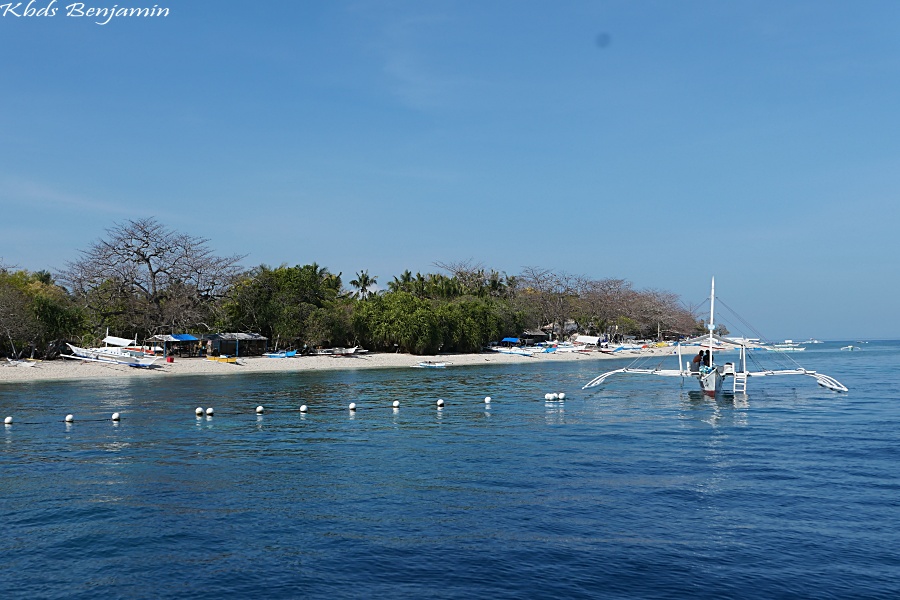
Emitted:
<point x="534" y="336"/>
<point x="235" y="344"/>
<point x="183" y="344"/>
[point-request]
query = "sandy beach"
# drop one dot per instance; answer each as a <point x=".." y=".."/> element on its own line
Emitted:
<point x="67" y="369"/>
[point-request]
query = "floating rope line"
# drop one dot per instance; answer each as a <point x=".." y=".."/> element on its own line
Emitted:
<point x="304" y="410"/>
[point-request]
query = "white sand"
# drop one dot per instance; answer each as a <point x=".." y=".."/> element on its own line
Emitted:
<point x="64" y="369"/>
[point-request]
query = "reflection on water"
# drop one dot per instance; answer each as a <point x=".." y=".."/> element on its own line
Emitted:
<point x="556" y="413"/>
<point x="731" y="407"/>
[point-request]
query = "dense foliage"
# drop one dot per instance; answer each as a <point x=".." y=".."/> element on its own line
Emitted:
<point x="34" y="312"/>
<point x="145" y="279"/>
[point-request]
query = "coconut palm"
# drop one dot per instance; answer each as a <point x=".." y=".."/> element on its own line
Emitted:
<point x="362" y="283"/>
<point x="403" y="283"/>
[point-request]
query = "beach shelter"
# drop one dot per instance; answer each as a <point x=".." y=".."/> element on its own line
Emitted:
<point x="175" y="338"/>
<point x="231" y="344"/>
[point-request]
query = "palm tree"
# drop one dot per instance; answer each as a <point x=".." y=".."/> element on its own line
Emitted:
<point x="403" y="283"/>
<point x="362" y="283"/>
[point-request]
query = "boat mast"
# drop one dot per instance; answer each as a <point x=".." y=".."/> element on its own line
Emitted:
<point x="712" y="308"/>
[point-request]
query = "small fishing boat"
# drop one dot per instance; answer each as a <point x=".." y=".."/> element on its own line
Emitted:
<point x="282" y="354"/>
<point x="517" y="351"/>
<point x="787" y="346"/>
<point x="224" y="359"/>
<point x="850" y="348"/>
<point x="430" y="364"/>
<point x="340" y="351"/>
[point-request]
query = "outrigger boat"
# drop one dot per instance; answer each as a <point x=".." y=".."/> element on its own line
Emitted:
<point x="119" y="353"/>
<point x="787" y="346"/>
<point x="712" y="376"/>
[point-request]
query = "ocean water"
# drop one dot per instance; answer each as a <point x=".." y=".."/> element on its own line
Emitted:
<point x="639" y="489"/>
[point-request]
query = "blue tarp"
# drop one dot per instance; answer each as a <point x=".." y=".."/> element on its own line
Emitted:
<point x="510" y="340"/>
<point x="184" y="337"/>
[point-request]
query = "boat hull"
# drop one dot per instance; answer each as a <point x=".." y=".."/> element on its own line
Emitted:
<point x="711" y="382"/>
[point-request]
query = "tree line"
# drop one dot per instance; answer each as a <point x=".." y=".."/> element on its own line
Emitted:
<point x="143" y="279"/>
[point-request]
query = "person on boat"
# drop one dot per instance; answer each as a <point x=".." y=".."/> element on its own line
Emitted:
<point x="697" y="361"/>
<point x="706" y="358"/>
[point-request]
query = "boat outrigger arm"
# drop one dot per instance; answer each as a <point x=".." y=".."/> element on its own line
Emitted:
<point x="711" y="376"/>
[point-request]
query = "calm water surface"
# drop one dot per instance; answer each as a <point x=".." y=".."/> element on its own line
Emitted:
<point x="639" y="489"/>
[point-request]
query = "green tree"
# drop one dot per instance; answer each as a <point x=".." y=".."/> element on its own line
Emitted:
<point x="402" y="283"/>
<point x="34" y="310"/>
<point x="398" y="318"/>
<point x="278" y="302"/>
<point x="363" y="283"/>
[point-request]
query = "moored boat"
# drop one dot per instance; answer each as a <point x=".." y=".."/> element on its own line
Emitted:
<point x="711" y="376"/>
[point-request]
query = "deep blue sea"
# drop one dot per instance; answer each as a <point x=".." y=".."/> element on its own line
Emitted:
<point x="639" y="489"/>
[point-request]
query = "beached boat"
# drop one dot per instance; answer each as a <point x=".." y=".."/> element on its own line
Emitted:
<point x="20" y="363"/>
<point x="711" y="376"/>
<point x="516" y="351"/>
<point x="340" y="351"/>
<point x="224" y="359"/>
<point x="282" y="354"/>
<point x="570" y="347"/>
<point x="120" y="355"/>
<point x="430" y="364"/>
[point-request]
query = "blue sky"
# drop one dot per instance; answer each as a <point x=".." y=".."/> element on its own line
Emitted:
<point x="659" y="142"/>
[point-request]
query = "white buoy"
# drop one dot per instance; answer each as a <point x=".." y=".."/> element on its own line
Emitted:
<point x="352" y="406"/>
<point x="561" y="396"/>
<point x="546" y="396"/>
<point x="303" y="408"/>
<point x="487" y="399"/>
<point x="440" y="403"/>
<point x="210" y="412"/>
<point x="260" y="410"/>
<point x="396" y="404"/>
<point x="199" y="412"/>
<point x="8" y="420"/>
<point x="70" y="418"/>
<point x="115" y="416"/>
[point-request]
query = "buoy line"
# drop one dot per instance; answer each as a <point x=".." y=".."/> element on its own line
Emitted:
<point x="260" y="410"/>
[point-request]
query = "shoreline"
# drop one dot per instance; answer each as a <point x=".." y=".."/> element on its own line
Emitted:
<point x="75" y="370"/>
